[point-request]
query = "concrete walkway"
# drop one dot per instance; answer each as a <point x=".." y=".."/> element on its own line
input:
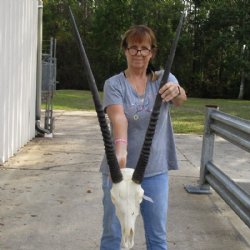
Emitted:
<point x="51" y="197"/>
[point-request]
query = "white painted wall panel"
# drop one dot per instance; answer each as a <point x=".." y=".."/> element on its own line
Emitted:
<point x="18" y="51"/>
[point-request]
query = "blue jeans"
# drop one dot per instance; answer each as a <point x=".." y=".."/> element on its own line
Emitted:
<point x="154" y="214"/>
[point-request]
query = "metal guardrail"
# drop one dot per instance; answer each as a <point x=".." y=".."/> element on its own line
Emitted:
<point x="236" y="131"/>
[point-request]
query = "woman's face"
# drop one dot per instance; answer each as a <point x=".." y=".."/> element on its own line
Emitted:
<point x="138" y="54"/>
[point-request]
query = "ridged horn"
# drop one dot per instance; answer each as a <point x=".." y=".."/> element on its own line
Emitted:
<point x="145" y="151"/>
<point x="115" y="171"/>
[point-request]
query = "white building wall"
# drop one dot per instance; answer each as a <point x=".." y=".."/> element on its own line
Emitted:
<point x="18" y="53"/>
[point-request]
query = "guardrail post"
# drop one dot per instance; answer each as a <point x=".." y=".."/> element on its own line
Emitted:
<point x="206" y="154"/>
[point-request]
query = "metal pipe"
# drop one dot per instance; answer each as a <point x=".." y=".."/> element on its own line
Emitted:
<point x="244" y="143"/>
<point x="242" y="212"/>
<point x="232" y="121"/>
<point x="39" y="129"/>
<point x="39" y="60"/>
<point x="207" y="150"/>
<point x="229" y="185"/>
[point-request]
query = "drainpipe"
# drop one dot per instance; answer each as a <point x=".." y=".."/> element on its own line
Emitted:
<point x="40" y="130"/>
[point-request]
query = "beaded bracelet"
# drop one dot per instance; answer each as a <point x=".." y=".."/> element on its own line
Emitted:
<point x="120" y="141"/>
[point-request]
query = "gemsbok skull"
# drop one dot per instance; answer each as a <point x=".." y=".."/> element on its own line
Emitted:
<point x="127" y="196"/>
<point x="126" y="191"/>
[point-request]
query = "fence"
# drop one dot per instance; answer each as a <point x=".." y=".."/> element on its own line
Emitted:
<point x="236" y="131"/>
<point x="49" y="63"/>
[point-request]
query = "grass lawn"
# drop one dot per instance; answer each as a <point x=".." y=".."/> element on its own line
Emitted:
<point x="189" y="118"/>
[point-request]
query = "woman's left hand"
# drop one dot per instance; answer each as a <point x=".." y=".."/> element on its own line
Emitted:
<point x="169" y="91"/>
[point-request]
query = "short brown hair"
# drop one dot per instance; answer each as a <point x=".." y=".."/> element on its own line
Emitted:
<point x="139" y="33"/>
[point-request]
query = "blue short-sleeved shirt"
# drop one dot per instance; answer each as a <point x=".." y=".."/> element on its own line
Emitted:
<point x="117" y="90"/>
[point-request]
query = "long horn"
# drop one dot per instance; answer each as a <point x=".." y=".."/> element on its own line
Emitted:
<point x="115" y="171"/>
<point x="145" y="151"/>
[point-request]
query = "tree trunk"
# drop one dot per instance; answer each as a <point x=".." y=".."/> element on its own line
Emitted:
<point x="242" y="85"/>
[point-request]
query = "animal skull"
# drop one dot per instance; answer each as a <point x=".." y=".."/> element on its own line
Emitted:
<point x="127" y="196"/>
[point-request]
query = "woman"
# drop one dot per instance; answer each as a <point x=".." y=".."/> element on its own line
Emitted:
<point x="128" y="100"/>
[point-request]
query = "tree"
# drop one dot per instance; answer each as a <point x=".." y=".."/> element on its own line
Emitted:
<point x="112" y="19"/>
<point x="57" y="24"/>
<point x="208" y="60"/>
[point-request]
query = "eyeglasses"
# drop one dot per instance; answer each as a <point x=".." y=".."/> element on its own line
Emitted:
<point x="134" y="51"/>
